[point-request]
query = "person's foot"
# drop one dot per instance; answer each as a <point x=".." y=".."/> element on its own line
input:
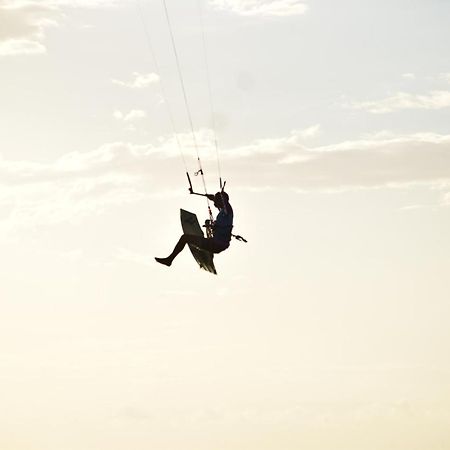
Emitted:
<point x="166" y="261"/>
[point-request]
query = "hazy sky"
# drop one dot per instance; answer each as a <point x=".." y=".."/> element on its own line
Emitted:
<point x="329" y="330"/>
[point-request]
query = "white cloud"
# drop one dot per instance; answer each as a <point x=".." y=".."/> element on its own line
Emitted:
<point x="118" y="114"/>
<point x="23" y="26"/>
<point x="446" y="199"/>
<point x="372" y="162"/>
<point x="61" y="3"/>
<point x="81" y="184"/>
<point x="21" y="47"/>
<point x="24" y="22"/>
<point x="54" y="202"/>
<point x="133" y="115"/>
<point x="403" y="100"/>
<point x="278" y="8"/>
<point x="309" y="132"/>
<point x="409" y="76"/>
<point x="445" y="76"/>
<point x="139" y="81"/>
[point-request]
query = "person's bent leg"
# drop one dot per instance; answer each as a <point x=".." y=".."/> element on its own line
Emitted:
<point x="184" y="239"/>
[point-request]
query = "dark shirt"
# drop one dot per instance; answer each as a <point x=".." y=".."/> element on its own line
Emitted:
<point x="223" y="225"/>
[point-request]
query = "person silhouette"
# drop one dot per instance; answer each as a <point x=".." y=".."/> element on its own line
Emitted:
<point x="221" y="231"/>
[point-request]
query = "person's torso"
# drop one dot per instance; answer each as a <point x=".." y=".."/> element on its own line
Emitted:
<point x="224" y="225"/>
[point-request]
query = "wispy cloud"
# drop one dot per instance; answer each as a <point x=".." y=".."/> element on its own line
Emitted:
<point x="404" y="100"/>
<point x="23" y="26"/>
<point x="61" y="3"/>
<point x="307" y="133"/>
<point x="75" y="185"/>
<point x="21" y="47"/>
<point x="445" y="77"/>
<point x="446" y="199"/>
<point x="24" y="22"/>
<point x="139" y="80"/>
<point x="278" y="8"/>
<point x="371" y="162"/>
<point x="131" y="116"/>
<point x="80" y="184"/>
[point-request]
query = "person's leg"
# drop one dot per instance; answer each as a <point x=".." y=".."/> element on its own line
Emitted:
<point x="198" y="241"/>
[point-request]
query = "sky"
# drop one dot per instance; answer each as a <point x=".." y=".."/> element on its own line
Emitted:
<point x="329" y="329"/>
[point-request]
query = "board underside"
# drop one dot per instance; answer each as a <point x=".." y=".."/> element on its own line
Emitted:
<point x="190" y="225"/>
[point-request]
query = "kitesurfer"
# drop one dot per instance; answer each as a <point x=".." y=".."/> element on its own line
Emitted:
<point x="221" y="231"/>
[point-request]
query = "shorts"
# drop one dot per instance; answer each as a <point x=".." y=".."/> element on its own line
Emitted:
<point x="211" y="245"/>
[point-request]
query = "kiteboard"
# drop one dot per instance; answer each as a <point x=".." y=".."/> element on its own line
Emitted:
<point x="190" y="225"/>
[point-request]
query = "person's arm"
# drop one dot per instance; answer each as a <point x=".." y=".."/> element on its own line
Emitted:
<point x="210" y="196"/>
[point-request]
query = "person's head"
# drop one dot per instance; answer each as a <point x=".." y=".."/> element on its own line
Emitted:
<point x="220" y="198"/>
